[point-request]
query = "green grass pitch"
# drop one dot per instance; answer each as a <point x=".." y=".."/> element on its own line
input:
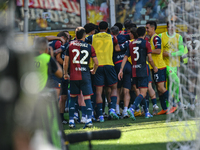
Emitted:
<point x="141" y="134"/>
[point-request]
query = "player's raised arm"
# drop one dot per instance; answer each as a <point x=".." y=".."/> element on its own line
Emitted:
<point x="51" y="38"/>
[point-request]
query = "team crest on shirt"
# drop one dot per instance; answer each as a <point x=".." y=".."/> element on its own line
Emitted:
<point x="170" y="71"/>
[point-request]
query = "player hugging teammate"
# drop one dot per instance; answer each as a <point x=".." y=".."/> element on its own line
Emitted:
<point x="96" y="65"/>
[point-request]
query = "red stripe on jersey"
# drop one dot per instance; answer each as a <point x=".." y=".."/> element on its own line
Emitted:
<point x="93" y="54"/>
<point x="57" y="44"/>
<point x="133" y="56"/>
<point x="118" y="62"/>
<point x="148" y="46"/>
<point x="115" y="41"/>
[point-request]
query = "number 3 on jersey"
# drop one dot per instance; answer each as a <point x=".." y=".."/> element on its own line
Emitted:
<point x="136" y="52"/>
<point x="82" y="61"/>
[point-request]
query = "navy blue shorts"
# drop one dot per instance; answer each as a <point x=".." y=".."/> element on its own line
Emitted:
<point x="105" y="75"/>
<point x="141" y="82"/>
<point x="149" y="77"/>
<point x="64" y="86"/>
<point x="81" y="85"/>
<point x="159" y="76"/>
<point x="133" y="81"/>
<point x="127" y="74"/>
<point x="54" y="82"/>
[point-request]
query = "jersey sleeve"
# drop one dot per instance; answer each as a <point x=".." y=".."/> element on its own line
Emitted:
<point x="146" y="38"/>
<point x="124" y="46"/>
<point x="148" y="46"/>
<point x="89" y="39"/>
<point x="115" y="41"/>
<point x="93" y="54"/>
<point x="127" y="52"/>
<point x="58" y="44"/>
<point x="53" y="65"/>
<point x="180" y="52"/>
<point x="157" y="42"/>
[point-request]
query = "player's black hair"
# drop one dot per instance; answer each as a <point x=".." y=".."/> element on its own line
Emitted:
<point x="127" y="22"/>
<point x="114" y="30"/>
<point x="141" y="31"/>
<point x="119" y="25"/>
<point x="60" y="34"/>
<point x="40" y="43"/>
<point x="133" y="30"/>
<point x="80" y="31"/>
<point x="131" y="25"/>
<point x="89" y="27"/>
<point x="152" y="24"/>
<point x="103" y="25"/>
<point x="66" y="31"/>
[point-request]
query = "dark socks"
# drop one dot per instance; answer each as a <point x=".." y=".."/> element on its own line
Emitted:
<point x="84" y="111"/>
<point x="154" y="101"/>
<point x="137" y="101"/>
<point x="88" y="108"/>
<point x="99" y="109"/>
<point x="72" y="107"/>
<point x="113" y="102"/>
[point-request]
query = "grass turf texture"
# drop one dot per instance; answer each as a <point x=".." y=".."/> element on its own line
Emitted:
<point x="141" y="134"/>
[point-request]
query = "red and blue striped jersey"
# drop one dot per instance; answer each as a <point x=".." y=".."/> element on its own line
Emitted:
<point x="55" y="44"/>
<point x="79" y="53"/>
<point x="138" y="50"/>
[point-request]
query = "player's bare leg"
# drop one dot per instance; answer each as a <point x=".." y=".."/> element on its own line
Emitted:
<point x="126" y="101"/>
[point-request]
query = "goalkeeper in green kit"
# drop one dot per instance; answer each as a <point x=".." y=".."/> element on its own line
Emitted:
<point x="172" y="45"/>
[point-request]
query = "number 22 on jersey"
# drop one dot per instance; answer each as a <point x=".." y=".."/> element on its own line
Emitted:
<point x="82" y="61"/>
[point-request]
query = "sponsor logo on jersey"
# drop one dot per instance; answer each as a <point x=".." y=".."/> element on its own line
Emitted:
<point x="120" y="56"/>
<point x="80" y="69"/>
<point x="137" y="66"/>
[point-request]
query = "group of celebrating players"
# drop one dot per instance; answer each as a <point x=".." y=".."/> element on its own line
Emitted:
<point x="98" y="64"/>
